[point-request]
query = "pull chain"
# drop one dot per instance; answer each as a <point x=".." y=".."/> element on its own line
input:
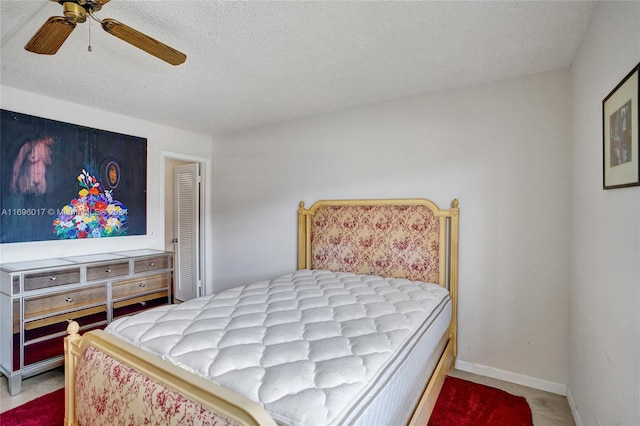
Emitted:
<point x="89" y="47"/>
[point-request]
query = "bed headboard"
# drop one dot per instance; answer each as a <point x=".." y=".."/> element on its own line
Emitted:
<point x="401" y="238"/>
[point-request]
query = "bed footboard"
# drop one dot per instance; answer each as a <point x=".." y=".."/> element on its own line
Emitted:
<point x="107" y="379"/>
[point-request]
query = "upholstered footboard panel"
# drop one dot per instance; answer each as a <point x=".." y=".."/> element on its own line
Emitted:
<point x="110" y="382"/>
<point x="109" y="392"/>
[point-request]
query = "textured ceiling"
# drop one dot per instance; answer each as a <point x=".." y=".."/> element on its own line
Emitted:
<point x="251" y="63"/>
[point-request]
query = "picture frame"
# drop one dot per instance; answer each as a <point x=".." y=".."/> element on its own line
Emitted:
<point x="62" y="181"/>
<point x="620" y="133"/>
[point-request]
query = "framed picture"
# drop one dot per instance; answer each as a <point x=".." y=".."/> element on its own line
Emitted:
<point x="61" y="181"/>
<point x="621" y="143"/>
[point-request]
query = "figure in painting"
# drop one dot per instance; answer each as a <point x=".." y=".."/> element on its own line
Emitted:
<point x="113" y="174"/>
<point x="30" y="166"/>
<point x="621" y="135"/>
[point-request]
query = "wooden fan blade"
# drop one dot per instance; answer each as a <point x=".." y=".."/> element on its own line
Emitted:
<point x="48" y="39"/>
<point x="143" y="41"/>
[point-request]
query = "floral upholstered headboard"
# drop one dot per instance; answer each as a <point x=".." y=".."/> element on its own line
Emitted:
<point x="403" y="238"/>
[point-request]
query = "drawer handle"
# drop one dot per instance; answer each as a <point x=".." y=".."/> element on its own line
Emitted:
<point x="107" y="270"/>
<point x="152" y="263"/>
<point x="142" y="285"/>
<point x="69" y="299"/>
<point x="53" y="278"/>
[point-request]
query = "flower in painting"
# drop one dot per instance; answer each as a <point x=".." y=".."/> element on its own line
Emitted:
<point x="113" y="210"/>
<point x="94" y="214"/>
<point x="112" y="222"/>
<point x="65" y="224"/>
<point x="81" y="208"/>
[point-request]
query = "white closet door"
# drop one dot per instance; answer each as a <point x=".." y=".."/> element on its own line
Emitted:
<point x="187" y="208"/>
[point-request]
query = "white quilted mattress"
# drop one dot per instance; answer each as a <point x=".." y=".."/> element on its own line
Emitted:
<point x="308" y="346"/>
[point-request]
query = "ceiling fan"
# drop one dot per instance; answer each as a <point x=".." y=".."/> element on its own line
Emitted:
<point x="48" y="39"/>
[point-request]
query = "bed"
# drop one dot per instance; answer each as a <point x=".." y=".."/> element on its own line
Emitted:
<point x="363" y="332"/>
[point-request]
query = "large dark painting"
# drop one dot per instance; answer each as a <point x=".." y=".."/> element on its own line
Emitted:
<point x="62" y="181"/>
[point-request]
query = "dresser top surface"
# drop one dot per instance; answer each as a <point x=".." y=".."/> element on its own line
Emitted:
<point x="87" y="258"/>
<point x="35" y="264"/>
<point x="77" y="260"/>
<point x="141" y="252"/>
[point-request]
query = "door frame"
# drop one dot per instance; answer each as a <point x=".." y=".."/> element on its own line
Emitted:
<point x="206" y="244"/>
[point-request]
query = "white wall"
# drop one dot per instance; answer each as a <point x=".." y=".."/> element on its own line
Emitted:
<point x="159" y="138"/>
<point x="604" y="321"/>
<point x="502" y="149"/>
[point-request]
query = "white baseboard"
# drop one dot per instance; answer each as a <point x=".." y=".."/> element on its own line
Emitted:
<point x="574" y="410"/>
<point x="508" y="376"/>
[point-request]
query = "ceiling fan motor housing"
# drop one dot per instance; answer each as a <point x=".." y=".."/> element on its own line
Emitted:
<point x="74" y="12"/>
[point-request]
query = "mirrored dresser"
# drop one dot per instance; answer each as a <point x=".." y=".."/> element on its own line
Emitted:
<point x="38" y="298"/>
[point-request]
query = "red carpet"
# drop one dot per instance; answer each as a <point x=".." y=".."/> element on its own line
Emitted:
<point x="48" y="410"/>
<point x="460" y="403"/>
<point x="463" y="403"/>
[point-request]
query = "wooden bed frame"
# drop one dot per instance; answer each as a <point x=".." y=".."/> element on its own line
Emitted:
<point x="320" y="246"/>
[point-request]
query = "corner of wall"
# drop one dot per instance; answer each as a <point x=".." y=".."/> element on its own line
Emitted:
<point x="574" y="408"/>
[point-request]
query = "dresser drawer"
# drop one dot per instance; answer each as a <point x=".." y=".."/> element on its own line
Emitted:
<point x="46" y="349"/>
<point x="52" y="278"/>
<point x="107" y="270"/>
<point x="138" y="286"/>
<point x="150" y="264"/>
<point x="54" y="303"/>
<point x="140" y="303"/>
<point x="58" y="323"/>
